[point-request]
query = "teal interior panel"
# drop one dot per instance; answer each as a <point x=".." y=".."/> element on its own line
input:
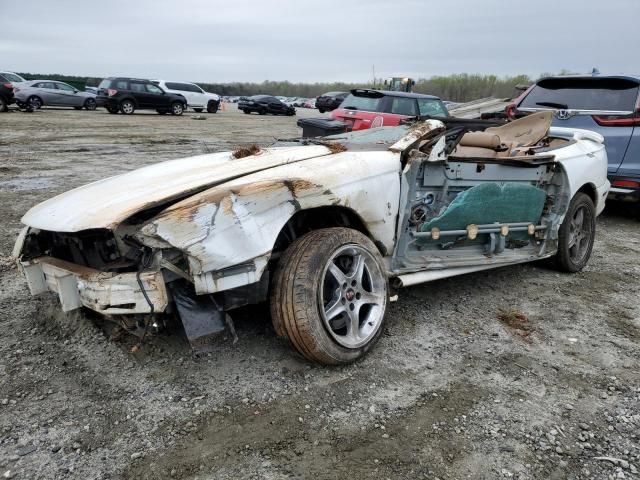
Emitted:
<point x="491" y="202"/>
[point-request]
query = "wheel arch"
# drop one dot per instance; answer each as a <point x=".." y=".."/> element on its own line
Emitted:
<point x="35" y="95"/>
<point x="310" y="219"/>
<point x="591" y="191"/>
<point x="128" y="97"/>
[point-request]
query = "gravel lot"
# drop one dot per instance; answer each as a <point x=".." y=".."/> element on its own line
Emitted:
<point x="550" y="390"/>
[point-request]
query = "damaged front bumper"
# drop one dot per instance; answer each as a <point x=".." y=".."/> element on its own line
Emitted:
<point x="106" y="293"/>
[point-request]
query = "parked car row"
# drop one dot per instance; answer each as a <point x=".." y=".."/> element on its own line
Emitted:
<point x="116" y="94"/>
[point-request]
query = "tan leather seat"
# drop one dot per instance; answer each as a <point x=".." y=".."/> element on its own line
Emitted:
<point x="506" y="140"/>
<point x="526" y="131"/>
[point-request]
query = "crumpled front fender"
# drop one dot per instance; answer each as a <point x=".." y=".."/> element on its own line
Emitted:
<point x="228" y="232"/>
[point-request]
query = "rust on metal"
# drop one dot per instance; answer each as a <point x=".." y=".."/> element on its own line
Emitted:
<point x="336" y="147"/>
<point x="243" y="152"/>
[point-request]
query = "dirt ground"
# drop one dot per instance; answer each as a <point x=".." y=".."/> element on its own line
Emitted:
<point x="520" y="372"/>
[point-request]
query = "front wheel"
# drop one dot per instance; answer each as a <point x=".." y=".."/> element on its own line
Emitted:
<point x="262" y="112"/>
<point x="112" y="110"/>
<point x="90" y="104"/>
<point x="576" y="234"/>
<point x="3" y="105"/>
<point x="177" y="108"/>
<point x="248" y="112"/>
<point x="197" y="110"/>
<point x="321" y="110"/>
<point x="330" y="294"/>
<point x="212" y="107"/>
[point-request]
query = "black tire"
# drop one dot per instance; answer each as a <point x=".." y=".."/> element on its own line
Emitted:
<point x="177" y="108"/>
<point x="162" y="112"/>
<point x="198" y="110"/>
<point x="321" y="110"/>
<point x="262" y="111"/>
<point x="248" y="112"/>
<point x="576" y="234"/>
<point x="90" y="104"/>
<point x="77" y="108"/>
<point x="3" y="105"/>
<point x="127" y="106"/>
<point x="34" y="102"/>
<point x="299" y="294"/>
<point x="112" y="110"/>
<point x="212" y="107"/>
<point x="290" y="114"/>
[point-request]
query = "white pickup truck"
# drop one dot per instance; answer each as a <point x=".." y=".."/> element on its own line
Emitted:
<point x="326" y="230"/>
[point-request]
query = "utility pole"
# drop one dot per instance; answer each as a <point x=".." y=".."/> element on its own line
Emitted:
<point x="373" y="70"/>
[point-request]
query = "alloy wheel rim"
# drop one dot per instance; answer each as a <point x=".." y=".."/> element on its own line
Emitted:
<point x="177" y="108"/>
<point x="352" y="296"/>
<point x="579" y="234"/>
<point x="127" y="107"/>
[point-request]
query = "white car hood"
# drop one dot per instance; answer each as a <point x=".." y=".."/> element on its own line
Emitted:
<point x="106" y="203"/>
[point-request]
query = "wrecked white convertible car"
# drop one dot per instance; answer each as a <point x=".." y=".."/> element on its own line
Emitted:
<point x="326" y="231"/>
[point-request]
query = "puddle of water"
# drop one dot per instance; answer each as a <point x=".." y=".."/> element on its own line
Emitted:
<point x="25" y="184"/>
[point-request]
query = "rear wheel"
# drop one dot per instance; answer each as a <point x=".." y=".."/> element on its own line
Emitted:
<point x="198" y="110"/>
<point x="576" y="234"/>
<point x="162" y="112"/>
<point x="3" y="104"/>
<point x="330" y="294"/>
<point x="113" y="110"/>
<point x="321" y="110"/>
<point x="127" y="107"/>
<point x="34" y="102"/>
<point x="248" y="112"/>
<point x="177" y="108"/>
<point x="90" y="104"/>
<point x="77" y="108"/>
<point x="262" y="111"/>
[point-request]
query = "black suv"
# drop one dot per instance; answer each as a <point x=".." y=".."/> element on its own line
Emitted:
<point x="127" y="95"/>
<point x="265" y="104"/>
<point x="330" y="101"/>
<point x="6" y="96"/>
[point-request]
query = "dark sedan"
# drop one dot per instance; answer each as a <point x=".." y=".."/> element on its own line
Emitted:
<point x="264" y="104"/>
<point x="330" y="101"/>
<point x="6" y="96"/>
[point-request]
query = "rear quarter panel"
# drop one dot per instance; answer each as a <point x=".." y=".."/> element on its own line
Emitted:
<point x="585" y="162"/>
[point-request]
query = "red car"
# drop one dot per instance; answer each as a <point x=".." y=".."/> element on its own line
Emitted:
<point x="365" y="108"/>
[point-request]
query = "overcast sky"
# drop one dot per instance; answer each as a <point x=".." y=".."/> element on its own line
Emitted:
<point x="309" y="40"/>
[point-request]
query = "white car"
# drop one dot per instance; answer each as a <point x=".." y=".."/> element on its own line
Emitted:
<point x="326" y="230"/>
<point x="10" y="77"/>
<point x="197" y="98"/>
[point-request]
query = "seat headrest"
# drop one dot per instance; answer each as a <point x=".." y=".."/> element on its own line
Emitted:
<point x="480" y="139"/>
